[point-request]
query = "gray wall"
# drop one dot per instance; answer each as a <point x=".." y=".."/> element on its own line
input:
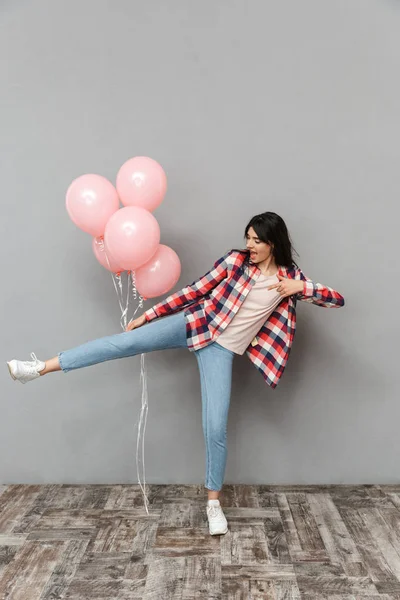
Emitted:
<point x="285" y="106"/>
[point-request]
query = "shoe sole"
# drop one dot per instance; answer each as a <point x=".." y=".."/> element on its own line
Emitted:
<point x="9" y="368"/>
<point x="220" y="532"/>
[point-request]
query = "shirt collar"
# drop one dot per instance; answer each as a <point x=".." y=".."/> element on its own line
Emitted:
<point x="254" y="270"/>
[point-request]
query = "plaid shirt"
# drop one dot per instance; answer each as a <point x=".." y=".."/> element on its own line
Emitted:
<point x="212" y="301"/>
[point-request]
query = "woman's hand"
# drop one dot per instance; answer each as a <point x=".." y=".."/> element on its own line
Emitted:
<point x="136" y="323"/>
<point x="286" y="286"/>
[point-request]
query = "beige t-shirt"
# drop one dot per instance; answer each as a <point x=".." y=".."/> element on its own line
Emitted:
<point x="251" y="316"/>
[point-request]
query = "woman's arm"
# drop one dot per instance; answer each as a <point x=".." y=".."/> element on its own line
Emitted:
<point x="317" y="293"/>
<point x="188" y="294"/>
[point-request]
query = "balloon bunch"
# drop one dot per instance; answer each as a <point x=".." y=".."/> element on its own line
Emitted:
<point x="127" y="239"/>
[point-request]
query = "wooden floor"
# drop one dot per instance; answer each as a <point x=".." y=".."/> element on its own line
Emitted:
<point x="284" y="542"/>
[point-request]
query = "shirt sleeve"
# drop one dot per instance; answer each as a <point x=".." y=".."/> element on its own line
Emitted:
<point x="318" y="293"/>
<point x="190" y="293"/>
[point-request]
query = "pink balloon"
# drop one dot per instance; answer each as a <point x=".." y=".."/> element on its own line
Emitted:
<point x="141" y="181"/>
<point x="102" y="254"/>
<point x="132" y="236"/>
<point x="159" y="274"/>
<point x="90" y="201"/>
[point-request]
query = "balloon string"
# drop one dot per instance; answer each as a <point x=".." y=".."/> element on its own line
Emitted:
<point x="134" y="291"/>
<point x="116" y="289"/>
<point x="143" y="374"/>
<point x="127" y="300"/>
<point x="143" y="411"/>
<point x="133" y="281"/>
<point x="144" y="407"/>
<point x="124" y="311"/>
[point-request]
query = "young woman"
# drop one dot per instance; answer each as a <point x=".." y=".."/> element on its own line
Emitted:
<point x="245" y="304"/>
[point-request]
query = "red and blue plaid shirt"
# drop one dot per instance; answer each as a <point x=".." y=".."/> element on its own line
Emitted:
<point x="212" y="301"/>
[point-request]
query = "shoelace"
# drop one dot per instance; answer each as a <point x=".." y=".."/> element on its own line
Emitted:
<point x="214" y="511"/>
<point x="32" y="368"/>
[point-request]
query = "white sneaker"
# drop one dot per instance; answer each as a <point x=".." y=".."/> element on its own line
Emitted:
<point x="25" y="370"/>
<point x="216" y="518"/>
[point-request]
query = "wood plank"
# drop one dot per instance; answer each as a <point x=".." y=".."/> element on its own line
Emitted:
<point x="97" y="542"/>
<point x="337" y="540"/>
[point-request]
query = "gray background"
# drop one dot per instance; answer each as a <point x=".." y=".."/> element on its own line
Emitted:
<point x="249" y="106"/>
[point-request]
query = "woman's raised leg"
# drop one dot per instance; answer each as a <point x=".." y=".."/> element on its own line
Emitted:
<point x="51" y="365"/>
<point x="159" y="334"/>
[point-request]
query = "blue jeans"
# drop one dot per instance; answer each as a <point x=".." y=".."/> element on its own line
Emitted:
<point x="215" y="366"/>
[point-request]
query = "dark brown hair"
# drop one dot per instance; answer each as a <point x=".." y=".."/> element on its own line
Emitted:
<point x="271" y="229"/>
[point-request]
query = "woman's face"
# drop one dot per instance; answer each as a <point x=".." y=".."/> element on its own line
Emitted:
<point x="261" y="250"/>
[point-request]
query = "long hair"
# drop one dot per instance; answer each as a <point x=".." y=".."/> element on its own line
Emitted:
<point x="271" y="229"/>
